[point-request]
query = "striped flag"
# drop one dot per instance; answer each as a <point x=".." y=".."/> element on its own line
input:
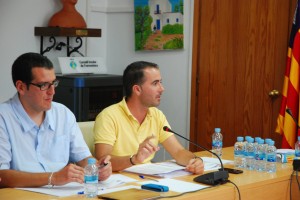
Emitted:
<point x="286" y="125"/>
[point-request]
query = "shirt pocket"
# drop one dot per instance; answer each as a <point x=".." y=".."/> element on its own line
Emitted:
<point x="59" y="149"/>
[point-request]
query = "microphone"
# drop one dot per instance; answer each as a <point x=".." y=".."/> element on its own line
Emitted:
<point x="212" y="178"/>
<point x="289" y="111"/>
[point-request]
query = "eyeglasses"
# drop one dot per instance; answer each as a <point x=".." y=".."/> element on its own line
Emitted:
<point x="46" y="85"/>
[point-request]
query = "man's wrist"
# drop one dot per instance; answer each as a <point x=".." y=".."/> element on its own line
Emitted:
<point x="131" y="159"/>
<point x="195" y="157"/>
<point x="50" y="183"/>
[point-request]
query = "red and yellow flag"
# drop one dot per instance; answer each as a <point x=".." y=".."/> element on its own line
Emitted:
<point x="286" y="125"/>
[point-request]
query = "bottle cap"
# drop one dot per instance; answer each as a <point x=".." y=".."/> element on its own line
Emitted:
<point x="217" y="130"/>
<point x="261" y="141"/>
<point x="251" y="140"/>
<point x="240" y="139"/>
<point x="91" y="161"/>
<point x="267" y="140"/>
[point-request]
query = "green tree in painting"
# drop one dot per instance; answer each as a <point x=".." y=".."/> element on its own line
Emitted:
<point x="179" y="7"/>
<point x="142" y="25"/>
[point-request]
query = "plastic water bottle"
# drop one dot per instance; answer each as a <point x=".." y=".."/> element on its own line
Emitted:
<point x="297" y="149"/>
<point x="256" y="142"/>
<point x="247" y="138"/>
<point x="249" y="154"/>
<point x="260" y="156"/>
<point x="267" y="140"/>
<point x="271" y="157"/>
<point x="266" y="144"/>
<point x="217" y="142"/>
<point x="91" y="178"/>
<point x="239" y="160"/>
<point x="257" y="139"/>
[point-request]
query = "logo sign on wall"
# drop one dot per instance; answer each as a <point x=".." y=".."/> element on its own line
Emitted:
<point x="82" y="65"/>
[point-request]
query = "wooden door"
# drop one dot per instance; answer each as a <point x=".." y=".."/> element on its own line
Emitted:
<point x="239" y="55"/>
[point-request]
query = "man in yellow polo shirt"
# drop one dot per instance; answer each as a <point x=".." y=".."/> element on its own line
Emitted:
<point x="131" y="130"/>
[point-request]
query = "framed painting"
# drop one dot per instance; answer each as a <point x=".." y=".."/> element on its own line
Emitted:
<point x="158" y="24"/>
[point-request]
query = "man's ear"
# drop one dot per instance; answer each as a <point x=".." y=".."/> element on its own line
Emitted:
<point x="21" y="87"/>
<point x="137" y="89"/>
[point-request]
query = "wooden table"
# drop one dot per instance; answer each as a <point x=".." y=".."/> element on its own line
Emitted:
<point x="252" y="185"/>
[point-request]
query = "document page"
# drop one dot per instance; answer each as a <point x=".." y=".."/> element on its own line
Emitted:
<point x="213" y="163"/>
<point x="77" y="188"/>
<point x="156" y="169"/>
<point x="178" y="185"/>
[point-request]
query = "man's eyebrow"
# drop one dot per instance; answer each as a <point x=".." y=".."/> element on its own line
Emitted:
<point x="43" y="82"/>
<point x="157" y="81"/>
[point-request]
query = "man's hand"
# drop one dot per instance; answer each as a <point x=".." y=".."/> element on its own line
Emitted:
<point x="70" y="173"/>
<point x="146" y="148"/>
<point x="195" y="166"/>
<point x="105" y="169"/>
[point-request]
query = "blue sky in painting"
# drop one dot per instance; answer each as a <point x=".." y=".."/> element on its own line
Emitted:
<point x="174" y="2"/>
<point x="140" y="2"/>
<point x="145" y="2"/>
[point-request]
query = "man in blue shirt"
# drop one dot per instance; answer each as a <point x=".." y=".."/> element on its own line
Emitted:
<point x="40" y="141"/>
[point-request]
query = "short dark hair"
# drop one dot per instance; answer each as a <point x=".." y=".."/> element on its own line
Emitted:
<point x="22" y="66"/>
<point x="134" y="75"/>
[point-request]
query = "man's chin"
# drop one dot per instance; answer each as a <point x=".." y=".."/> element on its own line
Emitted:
<point x="48" y="107"/>
<point x="156" y="104"/>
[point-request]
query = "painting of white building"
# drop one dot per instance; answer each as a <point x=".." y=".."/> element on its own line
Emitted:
<point x="161" y="12"/>
<point x="158" y="24"/>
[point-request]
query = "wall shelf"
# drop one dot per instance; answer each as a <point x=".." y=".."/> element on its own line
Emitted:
<point x="53" y="32"/>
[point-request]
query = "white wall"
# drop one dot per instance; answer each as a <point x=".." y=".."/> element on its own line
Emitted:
<point x="116" y="46"/>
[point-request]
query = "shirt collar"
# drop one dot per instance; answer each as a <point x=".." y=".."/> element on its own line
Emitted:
<point x="26" y="122"/>
<point x="124" y="106"/>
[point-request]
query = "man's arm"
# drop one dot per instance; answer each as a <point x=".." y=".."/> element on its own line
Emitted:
<point x="146" y="148"/>
<point x="14" y="178"/>
<point x="183" y="156"/>
<point x="118" y="163"/>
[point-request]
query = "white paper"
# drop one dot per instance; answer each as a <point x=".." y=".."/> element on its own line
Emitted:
<point x="117" y="189"/>
<point x="171" y="169"/>
<point x="213" y="163"/>
<point x="286" y="151"/>
<point x="60" y="191"/>
<point x="73" y="188"/>
<point x="177" y="185"/>
<point x="114" y="180"/>
<point x="164" y="169"/>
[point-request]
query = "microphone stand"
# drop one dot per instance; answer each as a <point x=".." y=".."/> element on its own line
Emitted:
<point x="211" y="178"/>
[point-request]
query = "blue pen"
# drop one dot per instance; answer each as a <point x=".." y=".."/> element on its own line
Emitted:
<point x="143" y="177"/>
<point x="81" y="192"/>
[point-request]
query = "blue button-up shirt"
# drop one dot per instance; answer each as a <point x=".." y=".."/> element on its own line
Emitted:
<point x="26" y="147"/>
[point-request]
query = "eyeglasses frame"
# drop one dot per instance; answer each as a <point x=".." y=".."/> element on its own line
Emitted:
<point x="40" y="85"/>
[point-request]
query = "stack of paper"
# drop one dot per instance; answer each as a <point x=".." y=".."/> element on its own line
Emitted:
<point x="164" y="169"/>
<point x="170" y="169"/>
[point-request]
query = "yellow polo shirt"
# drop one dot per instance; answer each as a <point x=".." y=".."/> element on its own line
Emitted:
<point x="116" y="126"/>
